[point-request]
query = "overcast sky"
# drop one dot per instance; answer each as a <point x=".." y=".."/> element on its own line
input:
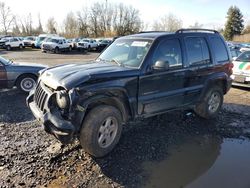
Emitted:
<point x="210" y="13"/>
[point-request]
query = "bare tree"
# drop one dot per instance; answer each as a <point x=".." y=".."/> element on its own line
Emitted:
<point x="83" y="22"/>
<point x="51" y="25"/>
<point x="70" y="25"/>
<point x="16" y="27"/>
<point x="168" y="23"/>
<point x="126" y="20"/>
<point x="26" y="23"/>
<point x="39" y="29"/>
<point x="196" y="25"/>
<point x="6" y="17"/>
<point x="95" y="20"/>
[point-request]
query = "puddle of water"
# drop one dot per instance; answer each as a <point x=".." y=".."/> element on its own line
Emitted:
<point x="202" y="162"/>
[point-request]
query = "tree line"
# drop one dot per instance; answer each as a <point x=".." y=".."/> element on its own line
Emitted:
<point x="101" y="19"/>
<point x="107" y="20"/>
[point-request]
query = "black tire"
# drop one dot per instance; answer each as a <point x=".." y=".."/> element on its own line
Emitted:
<point x="90" y="135"/>
<point x="20" y="46"/>
<point x="208" y="109"/>
<point x="33" y="46"/>
<point x="8" y="47"/>
<point x="57" y="50"/>
<point x="26" y="83"/>
<point x="70" y="48"/>
<point x="89" y="48"/>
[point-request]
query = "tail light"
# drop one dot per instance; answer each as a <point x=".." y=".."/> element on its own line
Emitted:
<point x="230" y="67"/>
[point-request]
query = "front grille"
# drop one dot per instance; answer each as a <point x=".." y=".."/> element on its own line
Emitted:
<point x="40" y="96"/>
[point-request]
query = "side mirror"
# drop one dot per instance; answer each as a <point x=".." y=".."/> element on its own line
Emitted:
<point x="161" y="65"/>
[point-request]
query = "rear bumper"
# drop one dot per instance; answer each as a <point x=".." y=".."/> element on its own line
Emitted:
<point x="52" y="121"/>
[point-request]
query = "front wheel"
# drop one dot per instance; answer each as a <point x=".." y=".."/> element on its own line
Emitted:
<point x="20" y="46"/>
<point x="210" y="106"/>
<point x="57" y="50"/>
<point x="26" y="83"/>
<point x="101" y="130"/>
<point x="8" y="47"/>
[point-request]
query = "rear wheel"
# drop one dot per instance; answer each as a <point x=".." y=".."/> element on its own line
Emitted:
<point x="211" y="104"/>
<point x="26" y="83"/>
<point x="20" y="46"/>
<point x="101" y="130"/>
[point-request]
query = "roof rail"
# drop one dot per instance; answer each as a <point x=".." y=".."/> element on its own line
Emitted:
<point x="152" y="31"/>
<point x="195" y="29"/>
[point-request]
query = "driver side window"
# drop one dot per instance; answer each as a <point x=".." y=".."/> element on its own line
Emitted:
<point x="170" y="51"/>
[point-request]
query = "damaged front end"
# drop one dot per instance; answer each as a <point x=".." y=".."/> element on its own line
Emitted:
<point x="54" y="109"/>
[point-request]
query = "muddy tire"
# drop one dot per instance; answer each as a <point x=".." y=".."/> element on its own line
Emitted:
<point x="26" y="83"/>
<point x="101" y="130"/>
<point x="211" y="104"/>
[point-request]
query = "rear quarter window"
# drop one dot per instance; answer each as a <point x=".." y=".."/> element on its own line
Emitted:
<point x="219" y="49"/>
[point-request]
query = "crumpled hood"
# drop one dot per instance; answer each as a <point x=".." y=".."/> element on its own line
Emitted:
<point x="71" y="75"/>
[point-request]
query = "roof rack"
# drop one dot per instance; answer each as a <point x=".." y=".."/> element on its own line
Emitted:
<point x="196" y="30"/>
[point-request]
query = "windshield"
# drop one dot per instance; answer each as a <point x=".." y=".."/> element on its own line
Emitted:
<point x="245" y="57"/>
<point x="5" y="61"/>
<point x="52" y="40"/>
<point x="126" y="52"/>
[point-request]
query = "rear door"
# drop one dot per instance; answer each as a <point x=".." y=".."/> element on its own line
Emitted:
<point x="161" y="91"/>
<point x="3" y="76"/>
<point x="200" y="66"/>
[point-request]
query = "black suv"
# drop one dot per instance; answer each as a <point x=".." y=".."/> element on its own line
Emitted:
<point x="137" y="76"/>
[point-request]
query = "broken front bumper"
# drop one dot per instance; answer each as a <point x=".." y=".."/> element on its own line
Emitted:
<point x="52" y="121"/>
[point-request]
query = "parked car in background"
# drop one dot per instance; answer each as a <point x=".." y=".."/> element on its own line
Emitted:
<point x="74" y="42"/>
<point x="137" y="76"/>
<point x="56" y="45"/>
<point x="29" y="41"/>
<point x="235" y="52"/>
<point x="12" y="42"/>
<point x="41" y="38"/>
<point x="241" y="70"/>
<point x="90" y="43"/>
<point x="21" y="75"/>
<point x="4" y="36"/>
<point x="103" y="44"/>
<point x="2" y="42"/>
<point x="82" y="45"/>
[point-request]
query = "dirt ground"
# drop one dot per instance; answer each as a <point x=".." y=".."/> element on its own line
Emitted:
<point x="31" y="158"/>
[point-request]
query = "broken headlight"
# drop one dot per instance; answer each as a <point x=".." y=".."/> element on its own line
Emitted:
<point x="62" y="99"/>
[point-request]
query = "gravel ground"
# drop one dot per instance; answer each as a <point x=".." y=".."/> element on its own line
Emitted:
<point x="31" y="158"/>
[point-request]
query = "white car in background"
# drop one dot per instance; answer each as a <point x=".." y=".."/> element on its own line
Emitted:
<point x="29" y="41"/>
<point x="87" y="44"/>
<point x="241" y="70"/>
<point x="56" y="45"/>
<point x="13" y="42"/>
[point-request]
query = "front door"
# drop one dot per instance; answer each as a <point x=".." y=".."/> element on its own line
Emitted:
<point x="162" y="91"/>
<point x="3" y="76"/>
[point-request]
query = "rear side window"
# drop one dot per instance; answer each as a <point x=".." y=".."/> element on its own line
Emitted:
<point x="197" y="51"/>
<point x="219" y="49"/>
